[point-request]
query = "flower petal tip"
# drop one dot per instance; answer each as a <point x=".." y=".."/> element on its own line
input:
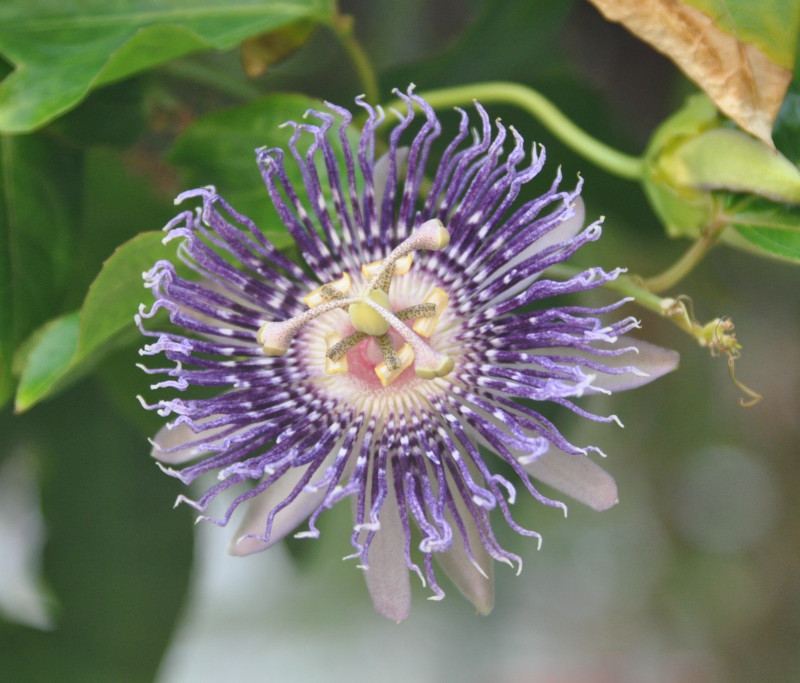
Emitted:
<point x="577" y="477"/>
<point x="246" y="545"/>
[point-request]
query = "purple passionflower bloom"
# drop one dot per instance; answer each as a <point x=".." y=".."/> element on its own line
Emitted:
<point x="414" y="338"/>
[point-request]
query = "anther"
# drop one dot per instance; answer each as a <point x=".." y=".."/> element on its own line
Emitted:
<point x="336" y="363"/>
<point x="425" y="310"/>
<point x="328" y="292"/>
<point x="387" y="375"/>
<point x="401" y="267"/>
<point x="389" y="354"/>
<point x="428" y="362"/>
<point x="426" y="325"/>
<point x="337" y="349"/>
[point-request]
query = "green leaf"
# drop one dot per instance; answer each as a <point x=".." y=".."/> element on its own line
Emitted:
<point x="68" y="347"/>
<point x="760" y="225"/>
<point x="50" y="351"/>
<point x="777" y="243"/>
<point x="125" y="193"/>
<point x="787" y="126"/>
<point x="765" y="227"/>
<point x="62" y="51"/>
<point x="729" y="159"/>
<point x="39" y="205"/>
<point x="219" y="149"/>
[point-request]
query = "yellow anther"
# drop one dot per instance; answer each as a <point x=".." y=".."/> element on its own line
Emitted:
<point x="426" y="326"/>
<point x="366" y="319"/>
<point x="317" y="297"/>
<point x="444" y="367"/>
<point x="387" y="375"/>
<point x="402" y="266"/>
<point x="334" y="367"/>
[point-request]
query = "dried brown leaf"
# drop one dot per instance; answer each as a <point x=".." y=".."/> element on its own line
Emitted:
<point x="743" y="81"/>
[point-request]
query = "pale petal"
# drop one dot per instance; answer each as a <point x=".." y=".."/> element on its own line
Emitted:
<point x="576" y="476"/>
<point x="475" y="586"/>
<point x="563" y="232"/>
<point x="183" y="439"/>
<point x="255" y="519"/>
<point x="387" y="574"/>
<point x="651" y="362"/>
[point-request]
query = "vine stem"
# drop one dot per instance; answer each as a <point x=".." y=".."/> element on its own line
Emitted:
<point x="624" y="284"/>
<point x="342" y="26"/>
<point x="716" y="335"/>
<point x="688" y="261"/>
<point x="543" y="110"/>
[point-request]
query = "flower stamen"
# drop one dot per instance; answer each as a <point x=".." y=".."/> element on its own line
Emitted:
<point x="428" y="362"/>
<point x="275" y="337"/>
<point x="328" y="292"/>
<point x="336" y="363"/>
<point x="390" y="356"/>
<point x="426" y="324"/>
<point x="339" y="347"/>
<point x="431" y="235"/>
<point x="401" y="267"/>
<point x="387" y="375"/>
<point x="425" y="310"/>
<point x="371" y="314"/>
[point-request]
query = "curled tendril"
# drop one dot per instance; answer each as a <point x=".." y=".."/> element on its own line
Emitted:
<point x="717" y="336"/>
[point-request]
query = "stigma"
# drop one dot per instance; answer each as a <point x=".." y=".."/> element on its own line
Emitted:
<point x="372" y="318"/>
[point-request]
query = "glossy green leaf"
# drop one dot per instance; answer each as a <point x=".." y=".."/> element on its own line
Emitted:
<point x="765" y="227"/>
<point x="69" y="346"/>
<point x="778" y="243"/>
<point x="61" y="51"/>
<point x="39" y="204"/>
<point x="51" y="352"/>
<point x="219" y="149"/>
<point x="787" y="126"/>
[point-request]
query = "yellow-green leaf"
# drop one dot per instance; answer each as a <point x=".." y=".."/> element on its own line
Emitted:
<point x="66" y="348"/>
<point x="61" y="51"/>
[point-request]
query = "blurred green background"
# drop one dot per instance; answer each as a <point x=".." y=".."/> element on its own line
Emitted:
<point x="693" y="577"/>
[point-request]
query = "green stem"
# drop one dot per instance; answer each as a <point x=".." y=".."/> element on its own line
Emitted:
<point x="342" y="27"/>
<point x="716" y="335"/>
<point x="542" y="109"/>
<point x="624" y="284"/>
<point x="687" y="262"/>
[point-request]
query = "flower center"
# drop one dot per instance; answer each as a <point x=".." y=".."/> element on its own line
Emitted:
<point x="372" y="318"/>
